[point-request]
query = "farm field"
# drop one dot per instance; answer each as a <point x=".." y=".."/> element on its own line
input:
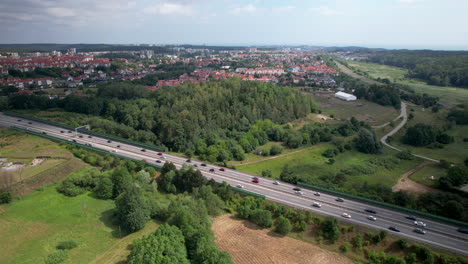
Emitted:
<point x="247" y="243"/>
<point x="314" y="165"/>
<point x="31" y="227"/>
<point x="449" y="95"/>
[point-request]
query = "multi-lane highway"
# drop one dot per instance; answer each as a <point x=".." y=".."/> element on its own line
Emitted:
<point x="437" y="234"/>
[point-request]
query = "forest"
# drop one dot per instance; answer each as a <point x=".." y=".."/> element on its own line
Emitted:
<point x="443" y="68"/>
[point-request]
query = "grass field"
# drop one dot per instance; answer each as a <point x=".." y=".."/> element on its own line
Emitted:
<point x="455" y="152"/>
<point x="315" y="165"/>
<point x="449" y="95"/>
<point x="363" y="110"/>
<point x="22" y="147"/>
<point x="424" y="175"/>
<point x="31" y="227"/>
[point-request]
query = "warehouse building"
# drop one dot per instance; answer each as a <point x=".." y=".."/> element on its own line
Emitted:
<point x="345" y="96"/>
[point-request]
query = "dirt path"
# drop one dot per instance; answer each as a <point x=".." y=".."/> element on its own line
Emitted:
<point x="278" y="156"/>
<point x="248" y="244"/>
<point x="406" y="184"/>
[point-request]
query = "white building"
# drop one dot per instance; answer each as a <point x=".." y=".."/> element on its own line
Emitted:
<point x="345" y="96"/>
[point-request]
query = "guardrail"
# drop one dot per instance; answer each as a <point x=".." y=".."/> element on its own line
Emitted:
<point x="386" y="205"/>
<point x="90" y="132"/>
<point x="60" y="140"/>
<point x="244" y="192"/>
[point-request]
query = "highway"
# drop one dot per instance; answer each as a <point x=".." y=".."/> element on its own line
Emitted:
<point x="437" y="234"/>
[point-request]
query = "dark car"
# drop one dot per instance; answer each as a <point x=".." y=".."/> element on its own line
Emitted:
<point x="118" y="146"/>
<point x="203" y="164"/>
<point x="143" y="150"/>
<point x="81" y="136"/>
<point x="108" y="141"/>
<point x="221" y="169"/>
<point x="158" y="161"/>
<point x="212" y="170"/>
<point x="296" y="189"/>
<point x="30" y="123"/>
<point x="393" y="228"/>
<point x="255" y="181"/>
<point x="339" y="199"/>
<point x="189" y="160"/>
<point x="372" y="211"/>
<point x="90" y="137"/>
<point x="463" y="230"/>
<point x="160" y="154"/>
<point x="61" y="131"/>
<point x="419" y="231"/>
<point x="44" y="132"/>
<point x="19" y="120"/>
<point x="411" y="217"/>
<point x="74" y="140"/>
<point x="69" y="131"/>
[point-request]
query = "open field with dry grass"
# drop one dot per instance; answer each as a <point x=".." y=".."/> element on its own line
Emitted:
<point x="247" y="243"/>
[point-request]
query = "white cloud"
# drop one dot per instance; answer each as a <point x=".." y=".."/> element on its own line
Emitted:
<point x="325" y="10"/>
<point x="169" y="9"/>
<point x="283" y="8"/>
<point x="244" y="9"/>
<point x="60" y="12"/>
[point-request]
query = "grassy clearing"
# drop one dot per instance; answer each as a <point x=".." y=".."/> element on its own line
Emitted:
<point x="450" y="95"/>
<point x="315" y="165"/>
<point x="363" y="110"/>
<point x="423" y="176"/>
<point x="455" y="152"/>
<point x="251" y="157"/>
<point x="31" y="227"/>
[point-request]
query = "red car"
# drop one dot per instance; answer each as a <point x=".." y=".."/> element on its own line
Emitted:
<point x="255" y="181"/>
<point x="159" y="154"/>
<point x="221" y="169"/>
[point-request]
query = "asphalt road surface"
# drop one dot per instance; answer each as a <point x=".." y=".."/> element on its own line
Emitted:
<point x="437" y="234"/>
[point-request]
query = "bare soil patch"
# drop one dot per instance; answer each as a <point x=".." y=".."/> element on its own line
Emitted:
<point x="406" y="184"/>
<point x="247" y="243"/>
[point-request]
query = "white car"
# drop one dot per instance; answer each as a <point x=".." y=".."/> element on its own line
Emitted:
<point x="298" y="192"/>
<point x="318" y="205"/>
<point x="420" y="223"/>
<point x="317" y="194"/>
<point x="240" y="186"/>
<point x="371" y="217"/>
<point x="345" y="215"/>
<point x="276" y="182"/>
<point x="114" y="150"/>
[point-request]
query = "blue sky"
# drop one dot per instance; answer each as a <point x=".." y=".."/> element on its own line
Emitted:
<point x="433" y="24"/>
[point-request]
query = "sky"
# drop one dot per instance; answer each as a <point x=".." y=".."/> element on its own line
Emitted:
<point x="412" y="24"/>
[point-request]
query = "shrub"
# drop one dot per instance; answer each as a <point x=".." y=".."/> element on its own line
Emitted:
<point x="5" y="197"/>
<point x="262" y="218"/>
<point x="330" y="153"/>
<point x="57" y="257"/>
<point x="403" y="243"/>
<point x="405" y="155"/>
<point x="345" y="247"/>
<point x="282" y="225"/>
<point x="69" y="244"/>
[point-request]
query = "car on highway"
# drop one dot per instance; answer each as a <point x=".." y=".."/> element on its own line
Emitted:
<point x="69" y="131"/>
<point x="372" y="218"/>
<point x="158" y="161"/>
<point x="90" y="136"/>
<point x="30" y="123"/>
<point x="61" y="131"/>
<point x="372" y="211"/>
<point x="394" y="228"/>
<point x="19" y="120"/>
<point x="296" y="189"/>
<point x="212" y="170"/>
<point x="43" y="132"/>
<point x="143" y="150"/>
<point x="114" y="150"/>
<point x="195" y="165"/>
<point x="240" y="186"/>
<point x="318" y="205"/>
<point x="316" y="193"/>
<point x="420" y="223"/>
<point x="108" y="141"/>
<point x="276" y="183"/>
<point x="160" y="154"/>
<point x="189" y="160"/>
<point x="80" y="136"/>
<point x="419" y="231"/>
<point x="463" y="230"/>
<point x="411" y="217"/>
<point x="221" y="169"/>
<point x="203" y="164"/>
<point x="255" y="181"/>
<point x="118" y="146"/>
<point x="345" y="215"/>
<point x="298" y="192"/>
<point x="339" y="199"/>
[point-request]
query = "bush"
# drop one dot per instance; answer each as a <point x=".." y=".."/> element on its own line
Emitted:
<point x="403" y="243"/>
<point x="330" y="153"/>
<point x="262" y="218"/>
<point x="57" y="257"/>
<point x="5" y="197"/>
<point x="275" y="150"/>
<point x="345" y="247"/>
<point x="405" y="155"/>
<point x="69" y="244"/>
<point x="282" y="225"/>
